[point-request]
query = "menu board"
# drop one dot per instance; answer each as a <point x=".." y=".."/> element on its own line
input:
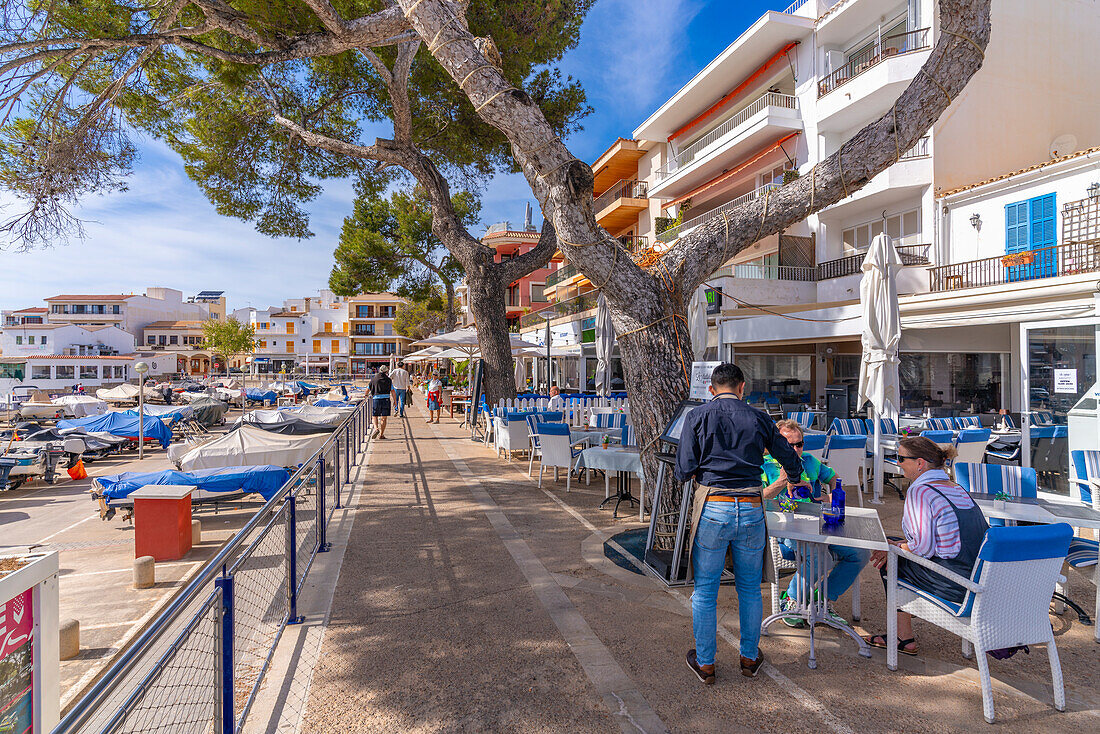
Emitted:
<point x="700" y="380"/>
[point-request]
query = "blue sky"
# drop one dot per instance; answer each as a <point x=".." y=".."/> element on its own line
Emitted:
<point x="633" y="55"/>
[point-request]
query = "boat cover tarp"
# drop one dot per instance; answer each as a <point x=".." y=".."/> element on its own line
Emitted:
<point x="333" y="404"/>
<point x="125" y="391"/>
<point x="282" y="421"/>
<point x="251" y="446"/>
<point x="82" y="406"/>
<point x="263" y="480"/>
<point x="258" y="395"/>
<point x="121" y="424"/>
<point x="170" y="414"/>
<point x="285" y="388"/>
<point x="209" y="411"/>
<point x="331" y="416"/>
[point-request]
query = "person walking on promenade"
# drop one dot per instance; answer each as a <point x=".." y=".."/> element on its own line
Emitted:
<point x="381" y="388"/>
<point x="435" y="398"/>
<point x="722" y="448"/>
<point x="400" y="378"/>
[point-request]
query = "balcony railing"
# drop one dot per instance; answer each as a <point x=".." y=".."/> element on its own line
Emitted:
<point x="794" y="6"/>
<point x="690" y="152"/>
<point x="1047" y="262"/>
<point x="860" y="62"/>
<point x="567" y="308"/>
<point x="850" y="265"/>
<point x="624" y="189"/>
<point x="919" y="150"/>
<point x="634" y="243"/>
<point x="769" y="272"/>
<point x="561" y="274"/>
<point x="673" y="233"/>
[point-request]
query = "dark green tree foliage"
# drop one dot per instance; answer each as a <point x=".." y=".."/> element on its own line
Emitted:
<point x="213" y="111"/>
<point x="387" y="244"/>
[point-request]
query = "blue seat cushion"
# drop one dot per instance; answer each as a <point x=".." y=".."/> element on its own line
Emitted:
<point x="1082" y="552"/>
<point x="958" y="610"/>
<point x="1026" y="543"/>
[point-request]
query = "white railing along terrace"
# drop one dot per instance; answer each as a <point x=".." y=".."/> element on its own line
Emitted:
<point x="768" y="272"/>
<point x="690" y="152"/>
<point x="673" y="233"/>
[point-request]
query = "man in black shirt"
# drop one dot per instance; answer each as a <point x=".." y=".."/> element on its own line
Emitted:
<point x="722" y="448"/>
<point x="381" y="387"/>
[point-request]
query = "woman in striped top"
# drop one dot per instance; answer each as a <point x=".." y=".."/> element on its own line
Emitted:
<point x="940" y="522"/>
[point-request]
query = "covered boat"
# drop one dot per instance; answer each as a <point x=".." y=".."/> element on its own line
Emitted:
<point x="282" y="421"/>
<point x="208" y="411"/>
<point x="122" y="424"/>
<point x="127" y="393"/>
<point x="333" y="404"/>
<point x="170" y="414"/>
<point x="251" y="446"/>
<point x="81" y="406"/>
<point x="40" y="405"/>
<point x="255" y="395"/>
<point x="211" y="484"/>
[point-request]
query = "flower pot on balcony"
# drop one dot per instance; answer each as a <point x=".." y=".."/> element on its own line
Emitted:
<point x="1017" y="259"/>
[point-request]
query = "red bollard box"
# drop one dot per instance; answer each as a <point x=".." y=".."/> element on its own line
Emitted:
<point x="162" y="521"/>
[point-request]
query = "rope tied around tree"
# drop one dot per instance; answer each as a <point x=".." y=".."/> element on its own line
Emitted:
<point x="462" y="84"/>
<point x="487" y="102"/>
<point x="412" y="7"/>
<point x="966" y="38"/>
<point x="942" y="88"/>
<point x="431" y="46"/>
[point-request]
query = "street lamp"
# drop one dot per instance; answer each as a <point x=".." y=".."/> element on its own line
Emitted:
<point x="141" y="368"/>
<point x="548" y="314"/>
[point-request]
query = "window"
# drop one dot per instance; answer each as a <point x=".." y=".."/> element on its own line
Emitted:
<point x="1029" y="225"/>
<point x="316" y="346"/>
<point x="903" y="227"/>
<point x="151" y="339"/>
<point x="89" y="372"/>
<point x="328" y="326"/>
<point x="263" y="344"/>
<point x="344" y="327"/>
<point x="118" y="371"/>
<point x="13" y="371"/>
<point x="364" y="329"/>
<point x="40" y="372"/>
<point x="55" y="309"/>
<point x="162" y="340"/>
<point x="65" y="372"/>
<point x="290" y="327"/>
<point x="43" y="340"/>
<point x="387" y="330"/>
<point x="774" y="176"/>
<point x="335" y="345"/>
<point x="364" y="312"/>
<point x="18" y="339"/>
<point x="293" y="308"/>
<point x="173" y="339"/>
<point x="30" y="340"/>
<point x="116" y="309"/>
<point x="290" y="347"/>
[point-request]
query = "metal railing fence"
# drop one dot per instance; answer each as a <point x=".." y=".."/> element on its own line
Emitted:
<point x="1046" y="262"/>
<point x="198" y="665"/>
<point x="673" y="233"/>
<point x="689" y="152"/>
<point x="861" y="61"/>
<point x="622" y="189"/>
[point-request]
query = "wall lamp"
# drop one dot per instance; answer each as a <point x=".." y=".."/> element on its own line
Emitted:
<point x="975" y="221"/>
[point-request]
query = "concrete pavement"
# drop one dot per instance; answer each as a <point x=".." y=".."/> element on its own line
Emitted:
<point x="470" y="600"/>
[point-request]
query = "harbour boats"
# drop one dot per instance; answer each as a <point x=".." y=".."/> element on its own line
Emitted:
<point x="25" y="461"/>
<point x="126" y="394"/>
<point x="211" y="485"/>
<point x="208" y="411"/>
<point x="285" y="422"/>
<point x="170" y="414"/>
<point x="256" y="395"/>
<point x="81" y="406"/>
<point x="124" y="424"/>
<point x="39" y="406"/>
<point x="251" y="446"/>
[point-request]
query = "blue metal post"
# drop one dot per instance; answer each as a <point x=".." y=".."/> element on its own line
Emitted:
<point x="228" y="714"/>
<point x="292" y="560"/>
<point x="322" y="541"/>
<point x="348" y="454"/>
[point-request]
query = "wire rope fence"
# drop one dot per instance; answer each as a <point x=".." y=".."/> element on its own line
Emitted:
<point x="199" y="664"/>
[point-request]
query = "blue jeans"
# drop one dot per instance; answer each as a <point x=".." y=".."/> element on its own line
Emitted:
<point x="400" y="400"/>
<point x="727" y="525"/>
<point x="847" y="563"/>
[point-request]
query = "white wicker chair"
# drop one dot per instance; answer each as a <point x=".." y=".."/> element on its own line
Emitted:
<point x="1007" y="601"/>
<point x="510" y="435"/>
<point x="556" y="451"/>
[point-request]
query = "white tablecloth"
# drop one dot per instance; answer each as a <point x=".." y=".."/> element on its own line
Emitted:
<point x="612" y="459"/>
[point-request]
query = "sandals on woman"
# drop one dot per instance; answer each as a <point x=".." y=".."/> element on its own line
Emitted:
<point x="879" y="641"/>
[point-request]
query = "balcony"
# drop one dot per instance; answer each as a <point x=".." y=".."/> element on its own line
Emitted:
<point x="674" y="233"/>
<point x="852" y="264"/>
<point x="766" y="284"/>
<point x="900" y="185"/>
<point x="1048" y="262"/>
<point x="761" y="122"/>
<point x="872" y="79"/>
<point x="560" y="275"/>
<point x="573" y="306"/>
<point x="619" y="206"/>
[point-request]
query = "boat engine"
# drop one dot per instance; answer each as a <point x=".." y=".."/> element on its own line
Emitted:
<point x="54" y="452"/>
<point x="7" y="463"/>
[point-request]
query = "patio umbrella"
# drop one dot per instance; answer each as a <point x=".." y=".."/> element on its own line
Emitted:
<point x="878" y="372"/>
<point x="605" y="341"/>
<point x="697" y="323"/>
<point x="521" y="375"/>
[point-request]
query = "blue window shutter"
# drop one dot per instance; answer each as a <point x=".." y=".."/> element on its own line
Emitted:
<point x="1016" y="227"/>
<point x="1043" y="235"/>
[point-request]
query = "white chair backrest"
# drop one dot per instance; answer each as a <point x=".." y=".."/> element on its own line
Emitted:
<point x="971" y="445"/>
<point x="847" y="462"/>
<point x="555" y="450"/>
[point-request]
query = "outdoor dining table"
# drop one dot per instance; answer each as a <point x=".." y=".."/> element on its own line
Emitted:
<point x="1030" y="509"/>
<point x="623" y="460"/>
<point x="861" y="528"/>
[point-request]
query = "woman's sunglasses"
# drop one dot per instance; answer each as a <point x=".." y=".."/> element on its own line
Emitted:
<point x="907" y="458"/>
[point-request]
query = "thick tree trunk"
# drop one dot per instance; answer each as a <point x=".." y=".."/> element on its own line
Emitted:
<point x="452" y="314"/>
<point x="487" y="291"/>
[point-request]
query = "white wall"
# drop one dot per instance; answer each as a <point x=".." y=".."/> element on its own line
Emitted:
<point x="58" y="340"/>
<point x="1069" y="181"/>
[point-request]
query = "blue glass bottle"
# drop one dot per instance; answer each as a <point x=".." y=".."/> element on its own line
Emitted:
<point x="838" y="499"/>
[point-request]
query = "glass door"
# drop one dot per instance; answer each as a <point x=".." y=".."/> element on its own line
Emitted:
<point x="1058" y="394"/>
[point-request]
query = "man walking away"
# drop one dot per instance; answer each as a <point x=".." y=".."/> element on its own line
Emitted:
<point x="400" y="379"/>
<point x="722" y="447"/>
<point x="381" y="388"/>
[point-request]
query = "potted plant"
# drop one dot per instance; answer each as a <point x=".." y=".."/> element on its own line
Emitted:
<point x="1017" y="259"/>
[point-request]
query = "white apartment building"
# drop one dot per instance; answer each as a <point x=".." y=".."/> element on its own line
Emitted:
<point x="311" y="333"/>
<point x="130" y="312"/>
<point x="57" y="356"/>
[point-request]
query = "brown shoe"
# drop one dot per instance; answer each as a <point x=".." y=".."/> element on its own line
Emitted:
<point x="704" y="675"/>
<point x="749" y="668"/>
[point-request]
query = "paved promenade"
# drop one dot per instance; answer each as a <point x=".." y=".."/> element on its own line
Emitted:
<point x="468" y="600"/>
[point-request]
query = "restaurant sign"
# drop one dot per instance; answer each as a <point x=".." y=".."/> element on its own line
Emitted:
<point x="16" y="663"/>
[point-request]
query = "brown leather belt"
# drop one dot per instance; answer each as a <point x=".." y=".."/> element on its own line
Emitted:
<point x="726" y="498"/>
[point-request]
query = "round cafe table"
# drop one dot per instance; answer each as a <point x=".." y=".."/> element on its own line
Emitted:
<point x="623" y="460"/>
